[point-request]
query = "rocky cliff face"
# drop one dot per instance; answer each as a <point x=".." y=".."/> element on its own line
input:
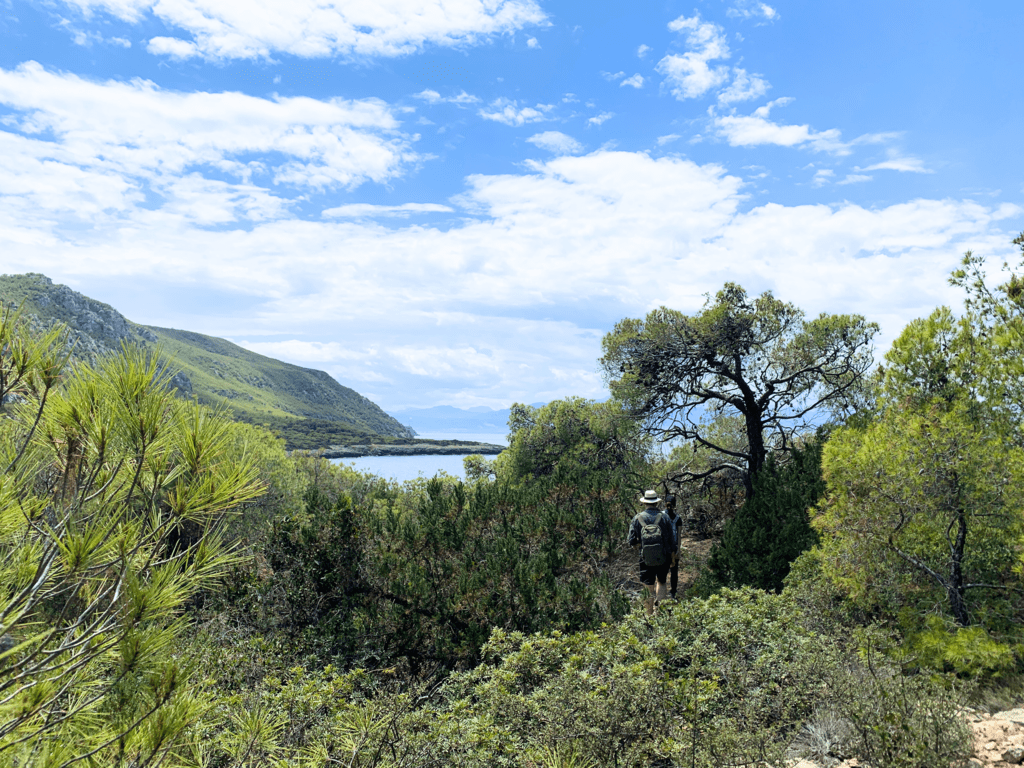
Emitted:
<point x="95" y="328"/>
<point x="210" y="369"/>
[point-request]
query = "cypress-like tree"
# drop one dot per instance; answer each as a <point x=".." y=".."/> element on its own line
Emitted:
<point x="773" y="526"/>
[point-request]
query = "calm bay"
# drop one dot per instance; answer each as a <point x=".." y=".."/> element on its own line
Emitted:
<point x="402" y="468"/>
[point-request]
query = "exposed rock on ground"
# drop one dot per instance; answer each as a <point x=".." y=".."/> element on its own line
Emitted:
<point x="998" y="742"/>
<point x="998" y="738"/>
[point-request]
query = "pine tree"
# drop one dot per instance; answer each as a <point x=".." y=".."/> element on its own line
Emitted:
<point x="112" y="495"/>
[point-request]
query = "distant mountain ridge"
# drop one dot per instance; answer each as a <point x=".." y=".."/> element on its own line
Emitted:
<point x="258" y="389"/>
<point x="451" y="420"/>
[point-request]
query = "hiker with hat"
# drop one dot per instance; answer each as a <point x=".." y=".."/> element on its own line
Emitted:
<point x="655" y="536"/>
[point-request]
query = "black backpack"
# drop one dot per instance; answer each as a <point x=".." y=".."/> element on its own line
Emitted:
<point x="654" y="551"/>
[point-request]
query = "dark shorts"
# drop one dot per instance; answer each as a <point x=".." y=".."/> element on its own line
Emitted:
<point x="648" y="573"/>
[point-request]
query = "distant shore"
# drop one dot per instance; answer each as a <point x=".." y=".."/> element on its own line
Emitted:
<point x="425" y="448"/>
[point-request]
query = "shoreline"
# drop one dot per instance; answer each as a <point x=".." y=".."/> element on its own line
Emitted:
<point x="414" y="449"/>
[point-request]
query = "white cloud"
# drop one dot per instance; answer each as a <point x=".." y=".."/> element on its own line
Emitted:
<point x="601" y="118"/>
<point x="368" y="210"/>
<point x="173" y="47"/>
<point x="433" y="97"/>
<point x="748" y="9"/>
<point x="122" y="41"/>
<point x="570" y="98"/>
<point x="226" y="29"/>
<point x="636" y="81"/>
<point x="663" y="140"/>
<point x="510" y="113"/>
<point x="100" y="146"/>
<point x="756" y="129"/>
<point x="557" y="142"/>
<point x="689" y="75"/>
<point x="552" y="258"/>
<point x="532" y="43"/>
<point x="743" y="87"/>
<point x="822" y="177"/>
<point x="303" y="351"/>
<point x="643" y="50"/>
<point x="854" y="178"/>
<point x="446" y="362"/>
<point x="897" y="162"/>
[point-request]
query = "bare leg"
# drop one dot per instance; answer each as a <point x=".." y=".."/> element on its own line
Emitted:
<point x="650" y="596"/>
<point x="660" y="590"/>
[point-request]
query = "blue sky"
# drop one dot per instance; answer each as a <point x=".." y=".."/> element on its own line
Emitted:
<point x="451" y="201"/>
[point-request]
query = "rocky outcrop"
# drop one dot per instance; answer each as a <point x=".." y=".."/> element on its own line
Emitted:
<point x="95" y="328"/>
<point x="182" y="384"/>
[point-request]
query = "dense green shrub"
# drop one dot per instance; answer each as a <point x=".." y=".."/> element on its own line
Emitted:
<point x="722" y="681"/>
<point x="467" y="560"/>
<point x="905" y="721"/>
<point x="737" y="679"/>
<point x="773" y="526"/>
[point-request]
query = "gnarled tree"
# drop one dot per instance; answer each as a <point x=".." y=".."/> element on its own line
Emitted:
<point x="759" y="359"/>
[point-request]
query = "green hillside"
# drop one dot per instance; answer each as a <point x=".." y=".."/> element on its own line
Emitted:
<point x="306" y="406"/>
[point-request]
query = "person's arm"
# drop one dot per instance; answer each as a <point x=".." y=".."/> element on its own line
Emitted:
<point x="633" y="537"/>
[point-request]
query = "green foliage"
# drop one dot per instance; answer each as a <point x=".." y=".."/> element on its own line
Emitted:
<point x="477" y="468"/>
<point x="282" y="479"/>
<point x="369" y="572"/>
<point x="111" y="501"/>
<point x="933" y="358"/>
<point x="969" y="652"/>
<point x="317" y="556"/>
<point x="466" y="560"/>
<point x="758" y="359"/>
<point x="905" y="721"/>
<point x="732" y="680"/>
<point x="997" y="317"/>
<point x="310" y="434"/>
<point x="289" y="715"/>
<point x="773" y="527"/>
<point x="724" y="681"/>
<point x="575" y="440"/>
<point x="924" y="508"/>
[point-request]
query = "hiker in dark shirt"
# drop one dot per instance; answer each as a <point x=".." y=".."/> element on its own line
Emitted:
<point x="677" y="524"/>
<point x="654" y="535"/>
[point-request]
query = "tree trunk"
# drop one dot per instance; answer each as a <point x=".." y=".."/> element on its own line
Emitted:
<point x="955" y="590"/>
<point x="758" y="453"/>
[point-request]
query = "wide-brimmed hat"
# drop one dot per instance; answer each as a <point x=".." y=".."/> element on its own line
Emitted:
<point x="650" y="497"/>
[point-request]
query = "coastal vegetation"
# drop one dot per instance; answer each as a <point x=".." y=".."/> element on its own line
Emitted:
<point x="181" y="590"/>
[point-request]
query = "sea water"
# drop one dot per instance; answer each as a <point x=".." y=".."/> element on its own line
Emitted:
<point x="402" y="468"/>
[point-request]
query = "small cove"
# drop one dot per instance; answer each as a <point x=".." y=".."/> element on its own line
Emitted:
<point x="402" y="468"/>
